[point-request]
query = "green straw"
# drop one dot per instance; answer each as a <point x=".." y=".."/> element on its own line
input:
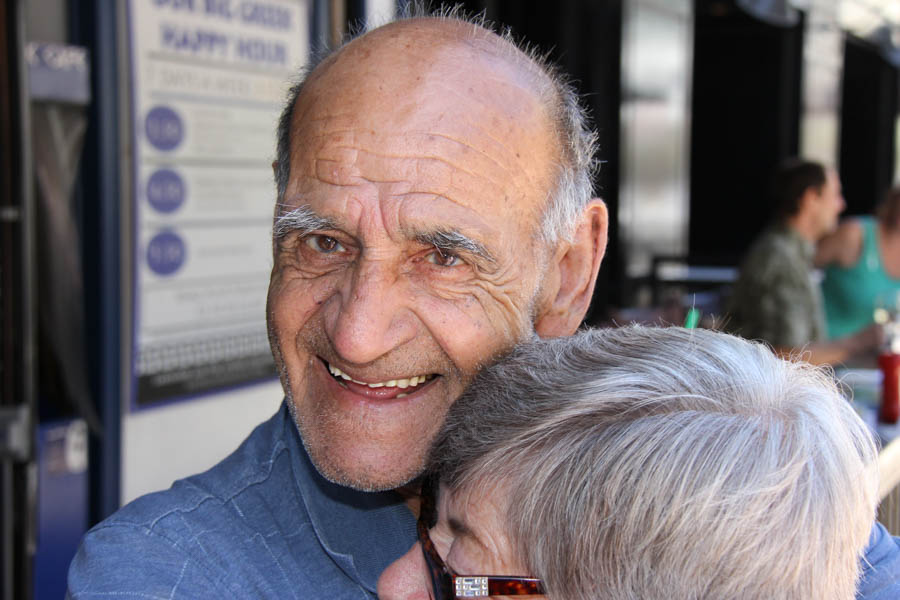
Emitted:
<point x="691" y="318"/>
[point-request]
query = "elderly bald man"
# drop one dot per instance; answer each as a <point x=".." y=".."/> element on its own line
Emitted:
<point x="434" y="208"/>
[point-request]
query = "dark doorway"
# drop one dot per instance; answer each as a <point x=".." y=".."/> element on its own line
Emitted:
<point x="746" y="114"/>
<point x="868" y="117"/>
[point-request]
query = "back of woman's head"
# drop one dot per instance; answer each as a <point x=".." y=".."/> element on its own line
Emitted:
<point x="888" y="211"/>
<point x="668" y="463"/>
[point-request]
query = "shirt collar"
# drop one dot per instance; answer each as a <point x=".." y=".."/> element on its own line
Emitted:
<point x="803" y="246"/>
<point x="363" y="532"/>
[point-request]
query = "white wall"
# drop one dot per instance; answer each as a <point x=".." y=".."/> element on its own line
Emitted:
<point x="380" y="11"/>
<point x="654" y="169"/>
<point x="823" y="67"/>
<point x="171" y="442"/>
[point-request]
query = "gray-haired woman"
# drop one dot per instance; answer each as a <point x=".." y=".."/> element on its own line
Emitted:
<point x="645" y="463"/>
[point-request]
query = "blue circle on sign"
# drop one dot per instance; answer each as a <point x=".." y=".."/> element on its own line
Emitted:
<point x="166" y="253"/>
<point x="165" y="190"/>
<point x="164" y="128"/>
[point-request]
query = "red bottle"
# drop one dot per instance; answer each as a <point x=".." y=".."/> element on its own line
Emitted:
<point x="890" y="388"/>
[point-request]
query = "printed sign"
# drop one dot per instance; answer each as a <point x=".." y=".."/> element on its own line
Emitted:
<point x="208" y="81"/>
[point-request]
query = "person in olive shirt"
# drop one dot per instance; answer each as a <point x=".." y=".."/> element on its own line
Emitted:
<point x="775" y="298"/>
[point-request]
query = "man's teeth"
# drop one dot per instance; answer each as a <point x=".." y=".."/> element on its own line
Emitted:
<point x="400" y="383"/>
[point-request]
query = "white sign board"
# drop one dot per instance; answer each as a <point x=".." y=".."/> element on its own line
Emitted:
<point x="209" y="78"/>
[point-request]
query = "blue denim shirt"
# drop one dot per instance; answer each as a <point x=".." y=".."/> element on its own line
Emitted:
<point x="264" y="524"/>
<point x="880" y="579"/>
<point x="261" y="524"/>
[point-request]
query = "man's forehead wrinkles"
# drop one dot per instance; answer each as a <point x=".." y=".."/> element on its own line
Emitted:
<point x="427" y="173"/>
<point x="477" y="165"/>
<point x="502" y="143"/>
<point x="403" y="143"/>
<point x="519" y="154"/>
<point x="469" y="147"/>
<point x="339" y="140"/>
<point x="367" y="166"/>
<point x="431" y="123"/>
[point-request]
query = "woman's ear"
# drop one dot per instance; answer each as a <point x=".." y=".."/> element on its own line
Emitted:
<point x="572" y="273"/>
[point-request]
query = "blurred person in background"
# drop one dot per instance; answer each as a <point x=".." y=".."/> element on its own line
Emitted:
<point x="776" y="298"/>
<point x="648" y="463"/>
<point x="862" y="268"/>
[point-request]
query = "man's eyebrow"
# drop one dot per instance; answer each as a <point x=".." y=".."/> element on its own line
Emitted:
<point x="301" y="219"/>
<point x="451" y="240"/>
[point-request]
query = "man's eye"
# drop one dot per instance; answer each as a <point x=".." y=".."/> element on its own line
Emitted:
<point x="442" y="258"/>
<point x="324" y="244"/>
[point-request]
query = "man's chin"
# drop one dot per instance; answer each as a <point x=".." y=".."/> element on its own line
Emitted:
<point x="366" y="480"/>
<point x="364" y="445"/>
<point x="349" y="471"/>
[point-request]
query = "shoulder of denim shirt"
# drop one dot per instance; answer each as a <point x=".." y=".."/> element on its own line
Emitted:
<point x="880" y="578"/>
<point x="224" y="530"/>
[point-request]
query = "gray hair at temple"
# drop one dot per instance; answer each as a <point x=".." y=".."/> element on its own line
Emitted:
<point x="574" y="183"/>
<point x="667" y="463"/>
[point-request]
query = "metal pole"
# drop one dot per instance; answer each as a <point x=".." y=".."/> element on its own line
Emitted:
<point x="27" y="474"/>
<point x="338" y="22"/>
<point x="17" y="475"/>
<point x="108" y="53"/>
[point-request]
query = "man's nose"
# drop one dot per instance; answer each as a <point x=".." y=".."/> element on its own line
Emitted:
<point x="373" y="317"/>
<point x="406" y="578"/>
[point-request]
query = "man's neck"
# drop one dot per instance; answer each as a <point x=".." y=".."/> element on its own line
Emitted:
<point x="411" y="493"/>
<point x="804" y="226"/>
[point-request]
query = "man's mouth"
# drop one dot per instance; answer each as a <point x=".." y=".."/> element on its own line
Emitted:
<point x="410" y="384"/>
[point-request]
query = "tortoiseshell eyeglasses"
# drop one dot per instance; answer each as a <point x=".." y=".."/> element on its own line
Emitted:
<point x="446" y="584"/>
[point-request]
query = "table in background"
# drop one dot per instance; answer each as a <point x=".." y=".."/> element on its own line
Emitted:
<point x="863" y="387"/>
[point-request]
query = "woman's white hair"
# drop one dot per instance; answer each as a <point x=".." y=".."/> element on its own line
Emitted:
<point x="644" y="463"/>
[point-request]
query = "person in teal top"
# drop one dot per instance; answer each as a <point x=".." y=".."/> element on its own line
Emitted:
<point x="862" y="268"/>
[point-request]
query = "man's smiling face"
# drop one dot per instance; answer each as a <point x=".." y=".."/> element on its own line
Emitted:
<point x="408" y="252"/>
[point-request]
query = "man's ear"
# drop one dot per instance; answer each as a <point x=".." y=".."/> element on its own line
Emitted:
<point x="810" y="198"/>
<point x="572" y="273"/>
<point x="275" y="168"/>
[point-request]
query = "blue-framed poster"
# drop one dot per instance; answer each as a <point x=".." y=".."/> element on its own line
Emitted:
<point x="208" y="79"/>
